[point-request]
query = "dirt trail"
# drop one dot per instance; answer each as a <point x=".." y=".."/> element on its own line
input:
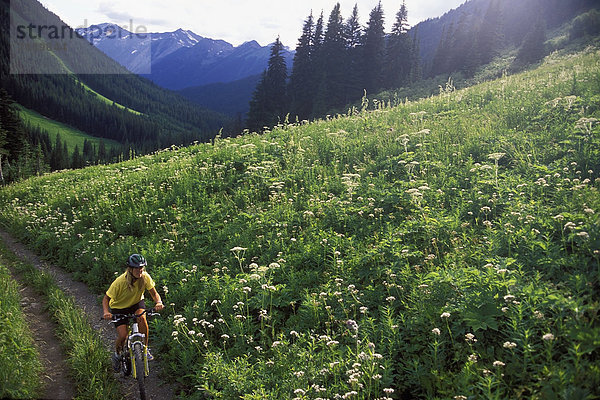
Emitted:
<point x="56" y="382"/>
<point x="91" y="305"/>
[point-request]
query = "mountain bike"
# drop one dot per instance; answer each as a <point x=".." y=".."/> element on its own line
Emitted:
<point x="135" y="360"/>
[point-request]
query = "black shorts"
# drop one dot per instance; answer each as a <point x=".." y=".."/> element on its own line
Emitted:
<point x="128" y="310"/>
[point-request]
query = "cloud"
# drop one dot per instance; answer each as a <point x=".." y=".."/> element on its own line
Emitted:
<point x="115" y="13"/>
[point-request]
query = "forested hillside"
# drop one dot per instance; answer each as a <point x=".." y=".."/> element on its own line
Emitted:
<point x="102" y="100"/>
<point x="472" y="35"/>
<point x="340" y="59"/>
<point x="337" y="60"/>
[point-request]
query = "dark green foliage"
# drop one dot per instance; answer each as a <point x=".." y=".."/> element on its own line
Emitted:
<point x="331" y="58"/>
<point x="269" y="102"/>
<point x="318" y="36"/>
<point x="374" y="51"/>
<point x="399" y="53"/>
<point x="533" y="49"/>
<point x="259" y="115"/>
<point x="471" y="36"/>
<point x="353" y="67"/>
<point x="21" y="151"/>
<point x="585" y="24"/>
<point x="301" y="86"/>
<point x="15" y="137"/>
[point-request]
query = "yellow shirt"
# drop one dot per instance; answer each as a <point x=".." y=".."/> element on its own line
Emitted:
<point x="121" y="296"/>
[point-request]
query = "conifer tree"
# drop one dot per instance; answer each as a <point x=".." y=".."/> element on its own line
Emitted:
<point x="399" y="51"/>
<point x="374" y="51"/>
<point x="352" y="30"/>
<point x="301" y="86"/>
<point x="15" y="137"/>
<point x="268" y="105"/>
<point x="65" y="156"/>
<point x="416" y="69"/>
<point x="258" y="114"/>
<point x="56" y="162"/>
<point x="318" y="36"/>
<point x="353" y="33"/>
<point x="490" y="35"/>
<point x="76" y="159"/>
<point x="318" y="59"/>
<point x="102" y="154"/>
<point x="88" y="152"/>
<point x="401" y="24"/>
<point x="40" y="164"/>
<point x="331" y="85"/>
<point x="277" y="76"/>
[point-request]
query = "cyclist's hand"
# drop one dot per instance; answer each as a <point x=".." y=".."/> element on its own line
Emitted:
<point x="159" y="306"/>
<point x="108" y="316"/>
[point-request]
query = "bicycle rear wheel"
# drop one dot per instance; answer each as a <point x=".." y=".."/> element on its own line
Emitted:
<point x="138" y="354"/>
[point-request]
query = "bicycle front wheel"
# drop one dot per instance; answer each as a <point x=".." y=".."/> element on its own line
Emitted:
<point x="138" y="354"/>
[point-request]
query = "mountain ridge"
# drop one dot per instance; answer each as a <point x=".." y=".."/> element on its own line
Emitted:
<point x="181" y="58"/>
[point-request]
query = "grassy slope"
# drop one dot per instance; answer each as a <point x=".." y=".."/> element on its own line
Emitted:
<point x="19" y="361"/>
<point x="89" y="89"/>
<point x="73" y="137"/>
<point x="107" y="100"/>
<point x="481" y="205"/>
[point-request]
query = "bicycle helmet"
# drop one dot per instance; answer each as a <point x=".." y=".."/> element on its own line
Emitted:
<point x="136" y="261"/>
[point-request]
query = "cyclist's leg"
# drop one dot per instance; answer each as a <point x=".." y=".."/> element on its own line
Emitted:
<point x="121" y="337"/>
<point x="121" y="327"/>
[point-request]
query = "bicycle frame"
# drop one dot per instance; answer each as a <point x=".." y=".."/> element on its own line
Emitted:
<point x="134" y="336"/>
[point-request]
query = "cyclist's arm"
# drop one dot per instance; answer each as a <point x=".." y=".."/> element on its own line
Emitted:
<point x="157" y="300"/>
<point x="107" y="315"/>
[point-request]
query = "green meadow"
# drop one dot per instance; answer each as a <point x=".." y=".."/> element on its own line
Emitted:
<point x="446" y="248"/>
<point x="69" y="135"/>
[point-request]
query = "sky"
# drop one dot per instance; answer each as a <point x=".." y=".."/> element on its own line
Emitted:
<point x="235" y="21"/>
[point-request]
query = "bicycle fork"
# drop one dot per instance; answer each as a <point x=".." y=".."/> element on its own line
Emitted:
<point x="135" y="336"/>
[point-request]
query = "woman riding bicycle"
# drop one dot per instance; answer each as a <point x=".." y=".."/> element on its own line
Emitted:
<point x="126" y="296"/>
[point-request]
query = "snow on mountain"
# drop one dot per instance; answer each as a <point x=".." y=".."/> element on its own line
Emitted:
<point x="137" y="51"/>
<point x="180" y="59"/>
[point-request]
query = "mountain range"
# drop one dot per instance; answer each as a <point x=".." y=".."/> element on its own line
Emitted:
<point x="180" y="59"/>
<point x="72" y="82"/>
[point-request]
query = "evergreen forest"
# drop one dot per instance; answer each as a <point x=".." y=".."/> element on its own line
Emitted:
<point x="339" y="62"/>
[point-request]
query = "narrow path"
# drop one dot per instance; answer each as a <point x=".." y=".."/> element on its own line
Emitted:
<point x="90" y="303"/>
<point x="56" y="382"/>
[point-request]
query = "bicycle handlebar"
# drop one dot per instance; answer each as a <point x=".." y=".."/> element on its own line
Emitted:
<point x="118" y="317"/>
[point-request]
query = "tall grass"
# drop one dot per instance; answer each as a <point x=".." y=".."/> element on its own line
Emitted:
<point x="20" y="366"/>
<point x="442" y="248"/>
